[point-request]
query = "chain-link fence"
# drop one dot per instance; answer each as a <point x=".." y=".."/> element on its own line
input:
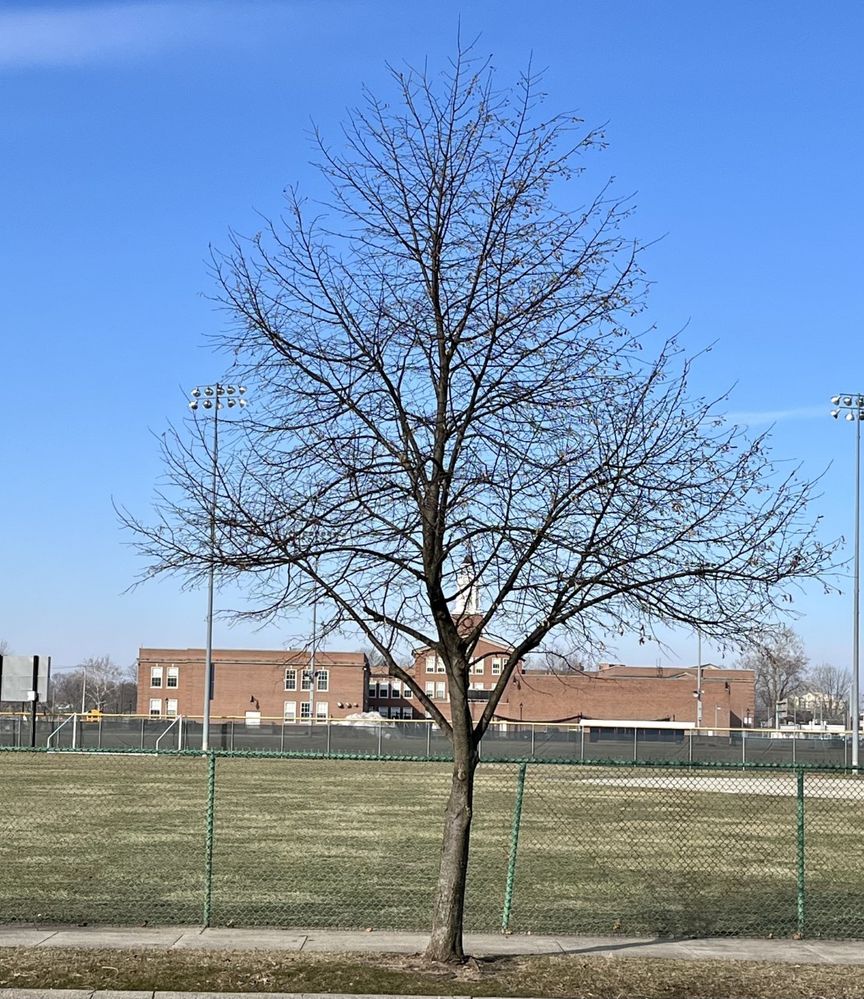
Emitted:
<point x="251" y="839"/>
<point x="583" y="742"/>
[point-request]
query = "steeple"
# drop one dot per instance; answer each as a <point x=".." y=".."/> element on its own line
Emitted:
<point x="466" y="606"/>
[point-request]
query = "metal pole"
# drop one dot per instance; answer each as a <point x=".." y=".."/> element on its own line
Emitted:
<point x="856" y="711"/>
<point x="312" y="665"/>
<point x="34" y="702"/>
<point x="208" y="838"/>
<point x="514" y="846"/>
<point x="800" y="884"/>
<point x="208" y="654"/>
<point x="83" y="690"/>
<point x="699" y="680"/>
<point x="853" y="407"/>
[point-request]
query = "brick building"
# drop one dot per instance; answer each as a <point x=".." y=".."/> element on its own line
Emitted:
<point x="612" y="691"/>
<point x="252" y="684"/>
<point x="275" y="685"/>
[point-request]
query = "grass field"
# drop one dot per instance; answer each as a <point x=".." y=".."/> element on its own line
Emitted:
<point x="121" y="839"/>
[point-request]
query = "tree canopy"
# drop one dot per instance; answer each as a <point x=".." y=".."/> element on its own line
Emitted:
<point x="450" y="396"/>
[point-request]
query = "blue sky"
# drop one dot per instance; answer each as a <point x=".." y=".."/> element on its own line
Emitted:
<point x="133" y="135"/>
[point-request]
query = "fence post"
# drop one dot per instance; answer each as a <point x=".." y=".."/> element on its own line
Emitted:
<point x="328" y="736"/>
<point x="208" y="842"/>
<point x="282" y="737"/>
<point x="533" y="726"/>
<point x="75" y="731"/>
<point x="99" y="738"/>
<point x="743" y="747"/>
<point x="380" y="727"/>
<point x="428" y="739"/>
<point x="635" y="744"/>
<point x="582" y="743"/>
<point x="514" y="846"/>
<point x="801" y="895"/>
<point x="142" y="734"/>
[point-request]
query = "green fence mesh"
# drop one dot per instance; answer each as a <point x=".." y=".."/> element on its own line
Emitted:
<point x="250" y="839"/>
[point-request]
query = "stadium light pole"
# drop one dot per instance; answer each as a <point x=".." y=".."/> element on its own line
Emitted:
<point x="852" y="405"/>
<point x="213" y="397"/>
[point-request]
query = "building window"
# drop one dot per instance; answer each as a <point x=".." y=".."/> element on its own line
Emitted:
<point x="480" y="667"/>
<point x="290" y="679"/>
<point x="496" y="667"/>
<point x="289" y="711"/>
<point x="441" y="691"/>
<point x="306" y="680"/>
<point x="407" y="692"/>
<point x="171" y="707"/>
<point x="407" y="712"/>
<point x="323" y="679"/>
<point x="384" y="712"/>
<point x="322" y="710"/>
<point x="439" y="665"/>
<point x="430" y="664"/>
<point x="305" y="710"/>
<point x="155" y="707"/>
<point x="477" y="686"/>
<point x="373" y="688"/>
<point x="173" y="678"/>
<point x="430" y="690"/>
<point x="156" y="676"/>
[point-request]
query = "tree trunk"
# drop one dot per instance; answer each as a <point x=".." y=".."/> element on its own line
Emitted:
<point x="446" y="940"/>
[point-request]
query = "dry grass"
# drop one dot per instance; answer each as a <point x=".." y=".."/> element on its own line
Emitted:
<point x="120" y="839"/>
<point x="565" y="976"/>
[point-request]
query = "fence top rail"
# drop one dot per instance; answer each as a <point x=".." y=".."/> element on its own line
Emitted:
<point x="497" y="725"/>
<point x="670" y="765"/>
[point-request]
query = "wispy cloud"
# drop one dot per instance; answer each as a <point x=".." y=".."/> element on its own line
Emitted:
<point x="754" y="417"/>
<point x="72" y="35"/>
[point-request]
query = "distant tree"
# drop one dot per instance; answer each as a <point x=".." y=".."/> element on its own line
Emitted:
<point x="448" y="400"/>
<point x="778" y="659"/>
<point x="830" y="687"/>
<point x="559" y="658"/>
<point x="98" y="682"/>
<point x="4" y="648"/>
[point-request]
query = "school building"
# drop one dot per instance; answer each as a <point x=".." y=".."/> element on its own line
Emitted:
<point x="258" y="685"/>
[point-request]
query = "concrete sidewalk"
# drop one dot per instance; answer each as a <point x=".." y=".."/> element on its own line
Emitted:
<point x="478" y="944"/>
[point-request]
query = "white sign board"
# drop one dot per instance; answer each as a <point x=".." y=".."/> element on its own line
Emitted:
<point x="17" y="676"/>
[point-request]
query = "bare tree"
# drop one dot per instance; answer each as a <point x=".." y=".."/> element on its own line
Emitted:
<point x="98" y="682"/>
<point x="830" y="686"/>
<point x="557" y="657"/>
<point x="448" y="400"/>
<point x="778" y="659"/>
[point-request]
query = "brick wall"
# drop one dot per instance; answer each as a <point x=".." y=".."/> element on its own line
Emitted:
<point x="247" y="680"/>
<point x="250" y="680"/>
